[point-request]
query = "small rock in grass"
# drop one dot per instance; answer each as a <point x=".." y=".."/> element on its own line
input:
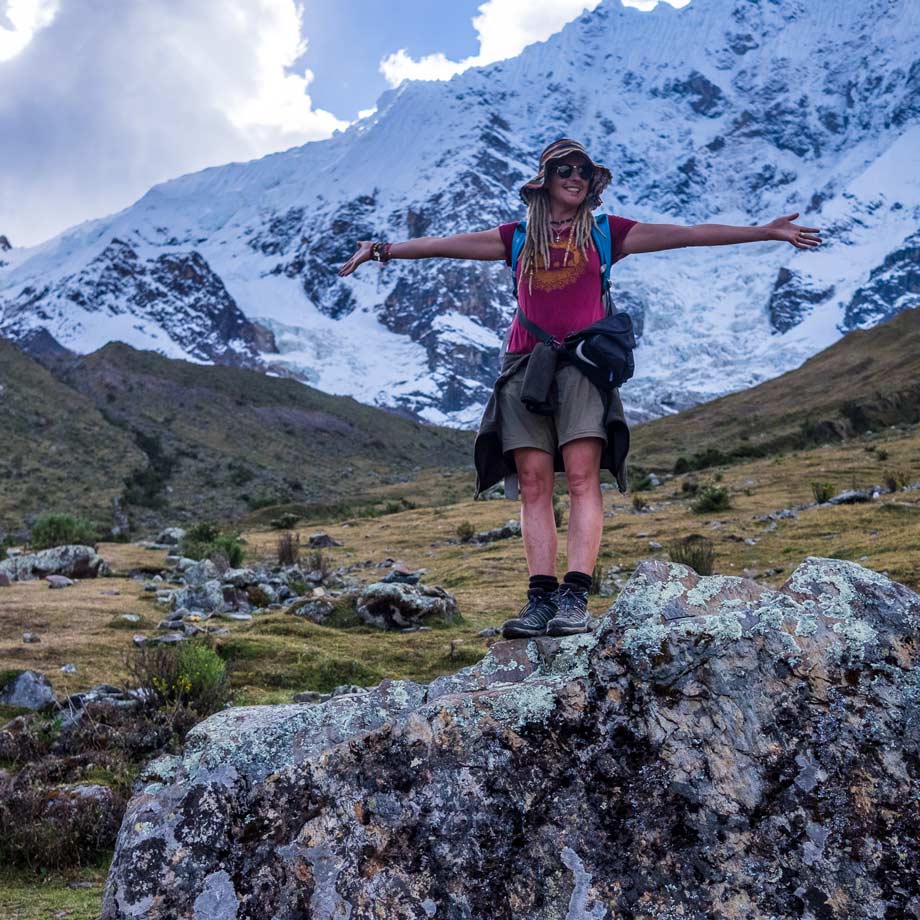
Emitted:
<point x="654" y="544"/>
<point x="59" y="581"/>
<point x="488" y="632"/>
<point x="139" y="639"/>
<point x="131" y="617"/>
<point x="323" y="540"/>
<point x="69" y="669"/>
<point x="29" y="637"/>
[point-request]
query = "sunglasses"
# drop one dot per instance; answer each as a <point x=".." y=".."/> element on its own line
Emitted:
<point x="564" y="170"/>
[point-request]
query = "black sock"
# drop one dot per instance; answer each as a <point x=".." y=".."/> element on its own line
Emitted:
<point x="546" y="583"/>
<point x="578" y="580"/>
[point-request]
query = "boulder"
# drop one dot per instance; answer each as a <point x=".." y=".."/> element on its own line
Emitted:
<point x="5" y="580"/>
<point x="316" y="609"/>
<point x="170" y="536"/>
<point x="70" y="561"/>
<point x="200" y="572"/>
<point x="27" y="690"/>
<point x="322" y="541"/>
<point x="395" y="605"/>
<point x="713" y="748"/>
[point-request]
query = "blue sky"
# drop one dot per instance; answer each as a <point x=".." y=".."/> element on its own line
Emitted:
<point x="101" y="99"/>
<point x="345" y="51"/>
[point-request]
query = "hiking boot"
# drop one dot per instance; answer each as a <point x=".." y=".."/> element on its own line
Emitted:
<point x="573" y="616"/>
<point x="535" y="614"/>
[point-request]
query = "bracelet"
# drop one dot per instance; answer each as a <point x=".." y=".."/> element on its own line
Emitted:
<point x="380" y="252"/>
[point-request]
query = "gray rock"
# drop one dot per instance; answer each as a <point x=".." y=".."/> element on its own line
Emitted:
<point x="511" y="529"/>
<point x="711" y="742"/>
<point x="131" y="617"/>
<point x="855" y="496"/>
<point x="239" y="578"/>
<point x="171" y="536"/>
<point x="200" y="572"/>
<point x="396" y="606"/>
<point x="68" y="669"/>
<point x="315" y="609"/>
<point x="489" y="631"/>
<point x="322" y="541"/>
<point x="59" y="581"/>
<point x="28" y="690"/>
<point x="403" y="576"/>
<point x="311" y="696"/>
<point x="69" y="561"/>
<point x="30" y="637"/>
<point x="208" y="597"/>
<point x="5" y="580"/>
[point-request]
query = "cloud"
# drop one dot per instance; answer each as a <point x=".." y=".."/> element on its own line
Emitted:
<point x="20" y="20"/>
<point x="107" y="99"/>
<point x="504" y="28"/>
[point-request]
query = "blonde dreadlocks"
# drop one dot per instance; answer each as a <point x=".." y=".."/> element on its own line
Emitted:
<point x="539" y="233"/>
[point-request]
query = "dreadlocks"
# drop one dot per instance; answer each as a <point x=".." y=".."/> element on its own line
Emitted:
<point x="539" y="233"/>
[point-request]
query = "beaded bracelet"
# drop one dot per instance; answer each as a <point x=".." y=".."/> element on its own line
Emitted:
<point x="380" y="252"/>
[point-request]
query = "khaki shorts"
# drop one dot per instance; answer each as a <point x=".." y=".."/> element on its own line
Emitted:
<point x="579" y="413"/>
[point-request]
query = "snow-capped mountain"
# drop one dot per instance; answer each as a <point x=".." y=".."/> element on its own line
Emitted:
<point x="725" y="111"/>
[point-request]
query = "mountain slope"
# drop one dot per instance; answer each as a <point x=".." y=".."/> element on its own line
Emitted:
<point x="726" y="111"/>
<point x="181" y="441"/>
<point x="54" y="440"/>
<point x="870" y="379"/>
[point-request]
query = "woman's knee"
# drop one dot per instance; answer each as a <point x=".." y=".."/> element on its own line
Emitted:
<point x="584" y="481"/>
<point x="535" y="481"/>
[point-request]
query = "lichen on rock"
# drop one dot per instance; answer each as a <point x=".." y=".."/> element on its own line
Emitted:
<point x="714" y="748"/>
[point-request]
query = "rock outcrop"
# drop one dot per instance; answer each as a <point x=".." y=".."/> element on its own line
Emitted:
<point x="70" y="561"/>
<point x="714" y="749"/>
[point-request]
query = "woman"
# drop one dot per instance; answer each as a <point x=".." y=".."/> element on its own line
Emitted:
<point x="559" y="289"/>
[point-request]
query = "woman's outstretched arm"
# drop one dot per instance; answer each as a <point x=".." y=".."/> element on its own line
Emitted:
<point x="485" y="245"/>
<point x="656" y="237"/>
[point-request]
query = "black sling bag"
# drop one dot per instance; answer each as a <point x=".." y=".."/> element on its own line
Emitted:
<point x="603" y="351"/>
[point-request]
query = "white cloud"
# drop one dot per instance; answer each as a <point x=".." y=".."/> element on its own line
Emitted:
<point x="109" y="98"/>
<point x="504" y="29"/>
<point x="20" y="20"/>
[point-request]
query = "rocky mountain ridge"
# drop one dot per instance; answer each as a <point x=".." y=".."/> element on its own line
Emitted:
<point x="722" y="112"/>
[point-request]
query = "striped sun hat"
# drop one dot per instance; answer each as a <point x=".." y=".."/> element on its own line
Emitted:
<point x="556" y="151"/>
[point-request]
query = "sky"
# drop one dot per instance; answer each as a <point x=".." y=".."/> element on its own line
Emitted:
<point x="101" y="99"/>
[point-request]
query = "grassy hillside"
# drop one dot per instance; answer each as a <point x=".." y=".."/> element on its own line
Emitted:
<point x="56" y="445"/>
<point x="180" y="441"/>
<point x="868" y="380"/>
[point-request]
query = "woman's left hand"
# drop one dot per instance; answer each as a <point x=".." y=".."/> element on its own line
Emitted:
<point x="801" y="237"/>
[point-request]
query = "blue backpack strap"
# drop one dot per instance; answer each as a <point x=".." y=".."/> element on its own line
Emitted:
<point x="603" y="240"/>
<point x="517" y="244"/>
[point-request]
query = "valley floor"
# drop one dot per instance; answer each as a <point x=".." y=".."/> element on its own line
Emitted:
<point x="276" y="655"/>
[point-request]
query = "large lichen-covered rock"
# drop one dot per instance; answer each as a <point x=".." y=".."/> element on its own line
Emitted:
<point x="714" y="749"/>
<point x="73" y="561"/>
<point x="396" y="605"/>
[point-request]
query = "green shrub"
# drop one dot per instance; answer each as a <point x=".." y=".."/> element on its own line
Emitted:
<point x="60" y="530"/>
<point x="639" y="503"/>
<point x="465" y="531"/>
<point x="712" y="498"/>
<point x="695" y="551"/>
<point x="188" y="675"/>
<point x="205" y="541"/>
<point x="822" y="491"/>
<point x="681" y="466"/>
<point x="285" y="521"/>
<point x="881" y="453"/>
<point x="690" y="486"/>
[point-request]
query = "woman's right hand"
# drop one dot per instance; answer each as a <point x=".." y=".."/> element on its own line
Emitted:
<point x="362" y="254"/>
